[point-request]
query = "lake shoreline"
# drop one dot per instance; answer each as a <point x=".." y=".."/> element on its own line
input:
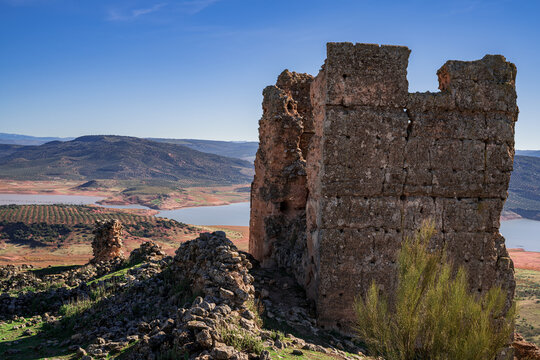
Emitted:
<point x="194" y="196"/>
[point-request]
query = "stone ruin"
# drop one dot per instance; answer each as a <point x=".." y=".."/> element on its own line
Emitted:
<point x="350" y="163"/>
<point x="107" y="244"/>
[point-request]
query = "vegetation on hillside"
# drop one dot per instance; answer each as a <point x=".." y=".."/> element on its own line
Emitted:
<point x="528" y="304"/>
<point x="150" y="309"/>
<point x="524" y="192"/>
<point x="122" y="157"/>
<point x="433" y="315"/>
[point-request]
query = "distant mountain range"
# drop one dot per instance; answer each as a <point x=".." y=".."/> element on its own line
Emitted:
<point x="16" y="139"/>
<point x="244" y="150"/>
<point x="535" y="153"/>
<point x="121" y="158"/>
<point x="237" y="149"/>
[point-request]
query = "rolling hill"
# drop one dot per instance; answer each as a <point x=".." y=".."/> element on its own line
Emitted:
<point x="244" y="150"/>
<point x="535" y="153"/>
<point x="524" y="192"/>
<point x="8" y="149"/>
<point x="121" y="158"/>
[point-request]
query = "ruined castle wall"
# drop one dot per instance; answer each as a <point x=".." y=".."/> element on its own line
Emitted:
<point x="354" y="210"/>
<point x="279" y="191"/>
<point x="380" y="161"/>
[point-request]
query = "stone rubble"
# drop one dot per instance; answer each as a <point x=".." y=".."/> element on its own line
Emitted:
<point x="191" y="305"/>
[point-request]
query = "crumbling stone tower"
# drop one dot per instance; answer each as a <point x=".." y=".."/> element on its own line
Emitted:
<point x="107" y="243"/>
<point x="279" y="189"/>
<point x="378" y="163"/>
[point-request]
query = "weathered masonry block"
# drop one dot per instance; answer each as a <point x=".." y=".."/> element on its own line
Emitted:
<point x="341" y="182"/>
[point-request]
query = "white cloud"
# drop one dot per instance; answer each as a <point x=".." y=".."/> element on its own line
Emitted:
<point x="116" y="15"/>
<point x="194" y="6"/>
<point x="190" y="7"/>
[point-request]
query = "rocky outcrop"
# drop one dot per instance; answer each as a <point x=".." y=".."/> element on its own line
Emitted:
<point x="380" y="161"/>
<point x="107" y="243"/>
<point x="524" y="350"/>
<point x="226" y="309"/>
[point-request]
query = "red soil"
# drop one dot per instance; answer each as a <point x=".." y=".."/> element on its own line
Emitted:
<point x="528" y="260"/>
<point x="243" y="242"/>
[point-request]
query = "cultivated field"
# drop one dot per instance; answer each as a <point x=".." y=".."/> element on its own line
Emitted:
<point x="44" y="235"/>
<point x="62" y="234"/>
<point x="71" y="214"/>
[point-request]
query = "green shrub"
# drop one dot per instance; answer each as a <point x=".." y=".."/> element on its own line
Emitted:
<point x="99" y="293"/>
<point x="241" y="339"/>
<point x="76" y="307"/>
<point x="277" y="335"/>
<point x="257" y="308"/>
<point x="433" y="315"/>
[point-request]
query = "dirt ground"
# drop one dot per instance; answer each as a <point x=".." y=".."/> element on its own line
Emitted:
<point x="527" y="260"/>
<point x="81" y="253"/>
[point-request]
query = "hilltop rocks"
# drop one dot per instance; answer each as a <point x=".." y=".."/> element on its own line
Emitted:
<point x="199" y="305"/>
<point x="107" y="243"/>
<point x="213" y="268"/>
<point x="524" y="350"/>
<point x="17" y="277"/>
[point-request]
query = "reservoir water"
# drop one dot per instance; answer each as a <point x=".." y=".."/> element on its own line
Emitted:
<point x="520" y="233"/>
<point x="234" y="214"/>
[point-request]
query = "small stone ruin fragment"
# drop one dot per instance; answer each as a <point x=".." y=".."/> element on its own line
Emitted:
<point x="107" y="243"/>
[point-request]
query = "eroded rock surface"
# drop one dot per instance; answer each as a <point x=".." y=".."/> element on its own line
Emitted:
<point x="380" y="161"/>
<point x="524" y="350"/>
<point x="279" y="191"/>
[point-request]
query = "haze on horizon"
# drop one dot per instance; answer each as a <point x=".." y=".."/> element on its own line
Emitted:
<point x="196" y="68"/>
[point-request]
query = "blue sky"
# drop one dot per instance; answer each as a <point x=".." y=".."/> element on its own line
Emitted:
<point x="196" y="68"/>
